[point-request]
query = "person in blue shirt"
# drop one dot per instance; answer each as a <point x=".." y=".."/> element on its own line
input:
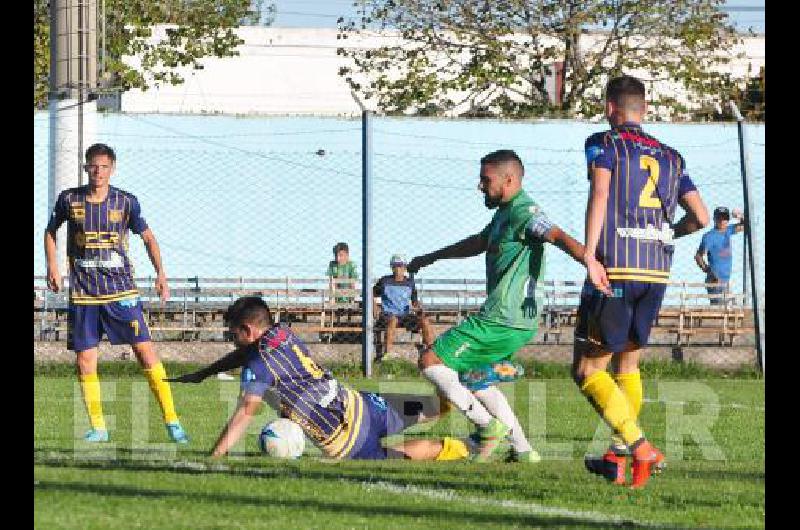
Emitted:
<point x="398" y="294"/>
<point x="717" y="243"/>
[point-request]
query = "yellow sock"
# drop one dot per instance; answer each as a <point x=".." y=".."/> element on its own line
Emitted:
<point x="611" y="403"/>
<point x="155" y="376"/>
<point x="631" y="385"/>
<point x="90" y="386"/>
<point x="452" y="449"/>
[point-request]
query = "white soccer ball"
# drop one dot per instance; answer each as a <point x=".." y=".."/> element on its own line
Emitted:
<point x="282" y="438"/>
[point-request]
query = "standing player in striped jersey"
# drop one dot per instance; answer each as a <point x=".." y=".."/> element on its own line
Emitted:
<point x="343" y="423"/>
<point x="636" y="184"/>
<point x="102" y="294"/>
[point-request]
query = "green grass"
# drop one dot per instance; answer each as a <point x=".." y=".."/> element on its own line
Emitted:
<point x="141" y="481"/>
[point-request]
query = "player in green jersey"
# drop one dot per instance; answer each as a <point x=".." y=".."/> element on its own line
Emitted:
<point x="514" y="245"/>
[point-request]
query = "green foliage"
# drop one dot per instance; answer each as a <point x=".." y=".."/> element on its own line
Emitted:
<point x="751" y="99"/>
<point x="472" y="57"/>
<point x="196" y="29"/>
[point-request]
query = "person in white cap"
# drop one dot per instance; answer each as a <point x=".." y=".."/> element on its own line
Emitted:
<point x="398" y="294"/>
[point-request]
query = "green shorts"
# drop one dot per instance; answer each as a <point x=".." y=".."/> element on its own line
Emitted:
<point x="477" y="342"/>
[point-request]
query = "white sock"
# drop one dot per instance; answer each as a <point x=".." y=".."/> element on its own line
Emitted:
<point x="496" y="403"/>
<point x="446" y="380"/>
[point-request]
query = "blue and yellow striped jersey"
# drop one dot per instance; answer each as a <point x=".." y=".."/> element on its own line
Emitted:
<point x="330" y="413"/>
<point x="97" y="243"/>
<point x="647" y="179"/>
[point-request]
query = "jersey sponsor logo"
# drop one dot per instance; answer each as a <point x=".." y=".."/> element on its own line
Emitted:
<point x="461" y="349"/>
<point x="114" y="216"/>
<point x="130" y="302"/>
<point x="330" y="395"/>
<point x="77" y="211"/>
<point x="650" y="232"/>
<point x="114" y="262"/>
<point x="101" y="239"/>
<point x="625" y="135"/>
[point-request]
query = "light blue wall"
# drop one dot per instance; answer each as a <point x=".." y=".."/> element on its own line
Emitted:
<point x="231" y="196"/>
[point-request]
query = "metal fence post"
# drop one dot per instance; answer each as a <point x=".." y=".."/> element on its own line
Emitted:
<point x="367" y="343"/>
<point x="758" y="313"/>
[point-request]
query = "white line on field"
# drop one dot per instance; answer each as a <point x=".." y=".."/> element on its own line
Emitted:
<point x="531" y="508"/>
<point x="445" y="495"/>
<point x="720" y="405"/>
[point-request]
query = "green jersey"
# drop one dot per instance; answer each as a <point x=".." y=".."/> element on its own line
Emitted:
<point x="348" y="270"/>
<point x="514" y="263"/>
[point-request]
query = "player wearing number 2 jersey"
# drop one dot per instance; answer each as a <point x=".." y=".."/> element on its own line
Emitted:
<point x="636" y="184"/>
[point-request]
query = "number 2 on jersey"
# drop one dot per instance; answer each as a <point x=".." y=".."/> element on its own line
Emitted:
<point x="646" y="199"/>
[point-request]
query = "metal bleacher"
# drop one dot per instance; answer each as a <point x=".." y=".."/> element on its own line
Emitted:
<point x="316" y="310"/>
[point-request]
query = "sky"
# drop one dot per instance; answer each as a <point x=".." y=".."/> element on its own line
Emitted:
<point x="323" y="13"/>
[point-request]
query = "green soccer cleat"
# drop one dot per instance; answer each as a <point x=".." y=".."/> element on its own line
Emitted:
<point x="525" y="457"/>
<point x="176" y="433"/>
<point x="490" y="437"/>
<point x="96" y="435"/>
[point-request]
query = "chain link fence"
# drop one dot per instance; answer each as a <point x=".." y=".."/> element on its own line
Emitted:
<point x="268" y="198"/>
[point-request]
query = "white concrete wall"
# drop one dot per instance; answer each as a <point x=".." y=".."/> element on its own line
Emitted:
<point x="294" y="71"/>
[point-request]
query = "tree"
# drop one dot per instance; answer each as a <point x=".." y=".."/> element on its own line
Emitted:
<point x="197" y="29"/>
<point x="477" y="56"/>
<point x="752" y="100"/>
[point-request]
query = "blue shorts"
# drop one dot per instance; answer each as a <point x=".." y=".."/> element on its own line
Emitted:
<point x="380" y="420"/>
<point x="612" y="321"/>
<point x="720" y="288"/>
<point x="121" y="321"/>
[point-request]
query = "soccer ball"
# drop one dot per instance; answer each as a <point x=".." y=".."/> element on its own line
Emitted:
<point x="282" y="438"/>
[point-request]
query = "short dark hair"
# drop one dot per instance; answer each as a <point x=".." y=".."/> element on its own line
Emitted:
<point x="503" y="156"/>
<point x="250" y="310"/>
<point x="626" y="91"/>
<point x="340" y="246"/>
<point x="100" y="149"/>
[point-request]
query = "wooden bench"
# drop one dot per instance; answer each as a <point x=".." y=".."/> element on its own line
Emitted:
<point x="197" y="306"/>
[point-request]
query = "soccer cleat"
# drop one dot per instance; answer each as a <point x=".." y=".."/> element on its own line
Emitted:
<point x="647" y="461"/>
<point x="96" y="435"/>
<point x="483" y="377"/>
<point x="491" y="437"/>
<point x="611" y="466"/>
<point x="525" y="457"/>
<point x="176" y="433"/>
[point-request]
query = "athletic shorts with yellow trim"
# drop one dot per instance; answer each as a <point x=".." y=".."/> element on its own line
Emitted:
<point x="477" y="342"/>
<point x="380" y="419"/>
<point x="122" y="321"/>
<point x="608" y="323"/>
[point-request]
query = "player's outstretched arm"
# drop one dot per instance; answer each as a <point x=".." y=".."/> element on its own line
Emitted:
<point x="234" y="359"/>
<point x="567" y="243"/>
<point x="466" y="248"/>
<point x="696" y="215"/>
<point x="248" y="407"/>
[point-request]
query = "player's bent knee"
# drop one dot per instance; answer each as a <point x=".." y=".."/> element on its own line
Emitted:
<point x="428" y="358"/>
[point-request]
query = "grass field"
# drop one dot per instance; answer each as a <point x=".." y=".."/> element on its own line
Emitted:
<point x="141" y="481"/>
